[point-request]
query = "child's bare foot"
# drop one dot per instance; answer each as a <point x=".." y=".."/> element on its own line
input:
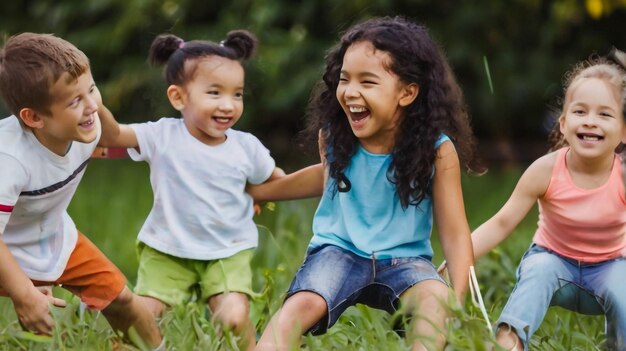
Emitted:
<point x="508" y="339"/>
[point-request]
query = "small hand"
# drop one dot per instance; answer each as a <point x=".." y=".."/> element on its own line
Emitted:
<point x="55" y="301"/>
<point x="33" y="310"/>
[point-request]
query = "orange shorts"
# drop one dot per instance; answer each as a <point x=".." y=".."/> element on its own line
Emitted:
<point x="90" y="275"/>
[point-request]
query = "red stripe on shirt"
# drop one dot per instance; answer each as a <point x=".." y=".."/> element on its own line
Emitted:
<point x="6" y="208"/>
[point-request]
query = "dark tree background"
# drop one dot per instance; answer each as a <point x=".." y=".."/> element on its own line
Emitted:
<point x="527" y="45"/>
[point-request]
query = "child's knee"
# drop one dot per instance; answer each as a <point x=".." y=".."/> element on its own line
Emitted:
<point x="231" y="310"/>
<point x="429" y="292"/>
<point x="309" y="301"/>
<point x="155" y="306"/>
<point x="236" y="320"/>
<point x="541" y="265"/>
<point x="123" y="301"/>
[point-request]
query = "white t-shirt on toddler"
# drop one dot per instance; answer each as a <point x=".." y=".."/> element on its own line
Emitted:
<point x="201" y="210"/>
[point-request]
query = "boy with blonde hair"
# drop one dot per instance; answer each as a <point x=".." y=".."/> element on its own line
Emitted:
<point x="47" y="84"/>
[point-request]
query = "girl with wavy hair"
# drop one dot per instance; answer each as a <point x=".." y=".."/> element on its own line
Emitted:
<point x="393" y="137"/>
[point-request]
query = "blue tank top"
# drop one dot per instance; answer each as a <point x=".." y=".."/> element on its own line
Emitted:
<point x="369" y="219"/>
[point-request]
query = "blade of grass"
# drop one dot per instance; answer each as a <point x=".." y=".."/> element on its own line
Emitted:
<point x="488" y="72"/>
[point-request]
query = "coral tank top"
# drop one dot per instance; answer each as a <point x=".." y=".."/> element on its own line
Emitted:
<point x="587" y="225"/>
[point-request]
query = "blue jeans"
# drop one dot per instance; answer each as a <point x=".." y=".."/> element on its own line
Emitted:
<point x="543" y="272"/>
<point x="344" y="279"/>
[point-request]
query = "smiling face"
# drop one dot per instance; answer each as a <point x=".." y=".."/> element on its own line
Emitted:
<point x="593" y="120"/>
<point x="212" y="101"/>
<point x="372" y="97"/>
<point x="72" y="115"/>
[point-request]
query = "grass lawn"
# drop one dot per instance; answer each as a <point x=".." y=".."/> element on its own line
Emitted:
<point x="115" y="197"/>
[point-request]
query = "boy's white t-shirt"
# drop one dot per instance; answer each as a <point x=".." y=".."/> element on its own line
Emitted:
<point x="201" y="210"/>
<point x="36" y="186"/>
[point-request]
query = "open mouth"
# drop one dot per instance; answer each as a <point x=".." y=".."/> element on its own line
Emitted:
<point x="222" y="120"/>
<point x="88" y="123"/>
<point x="589" y="137"/>
<point x="358" y="113"/>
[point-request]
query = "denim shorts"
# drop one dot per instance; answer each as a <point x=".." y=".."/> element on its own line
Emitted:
<point x="543" y="275"/>
<point x="344" y="279"/>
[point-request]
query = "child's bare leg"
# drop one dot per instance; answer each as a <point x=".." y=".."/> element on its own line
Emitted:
<point x="232" y="311"/>
<point x="126" y="312"/>
<point x="508" y="339"/>
<point x="299" y="313"/>
<point x="426" y="302"/>
<point x="155" y="306"/>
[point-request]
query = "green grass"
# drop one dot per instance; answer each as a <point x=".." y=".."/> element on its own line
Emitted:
<point x="115" y="197"/>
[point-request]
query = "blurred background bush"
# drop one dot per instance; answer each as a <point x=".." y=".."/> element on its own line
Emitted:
<point x="509" y="56"/>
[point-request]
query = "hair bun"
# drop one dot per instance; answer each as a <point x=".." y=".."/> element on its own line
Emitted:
<point x="618" y="57"/>
<point x="163" y="46"/>
<point x="242" y="42"/>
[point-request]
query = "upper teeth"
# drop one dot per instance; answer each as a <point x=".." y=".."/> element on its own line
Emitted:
<point x="357" y="109"/>
<point x="589" y="137"/>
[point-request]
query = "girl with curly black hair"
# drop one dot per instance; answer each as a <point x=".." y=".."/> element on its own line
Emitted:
<point x="393" y="134"/>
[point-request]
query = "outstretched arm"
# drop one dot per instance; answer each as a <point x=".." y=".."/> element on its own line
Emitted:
<point x="277" y="173"/>
<point x="449" y="214"/>
<point x="113" y="133"/>
<point x="307" y="182"/>
<point x="530" y="187"/>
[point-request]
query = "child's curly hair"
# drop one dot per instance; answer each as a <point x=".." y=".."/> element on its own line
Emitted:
<point x="439" y="107"/>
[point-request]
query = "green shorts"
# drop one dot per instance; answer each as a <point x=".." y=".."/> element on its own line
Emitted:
<point x="176" y="280"/>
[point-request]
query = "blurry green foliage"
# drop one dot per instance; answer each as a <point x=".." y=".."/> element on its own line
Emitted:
<point x="528" y="45"/>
